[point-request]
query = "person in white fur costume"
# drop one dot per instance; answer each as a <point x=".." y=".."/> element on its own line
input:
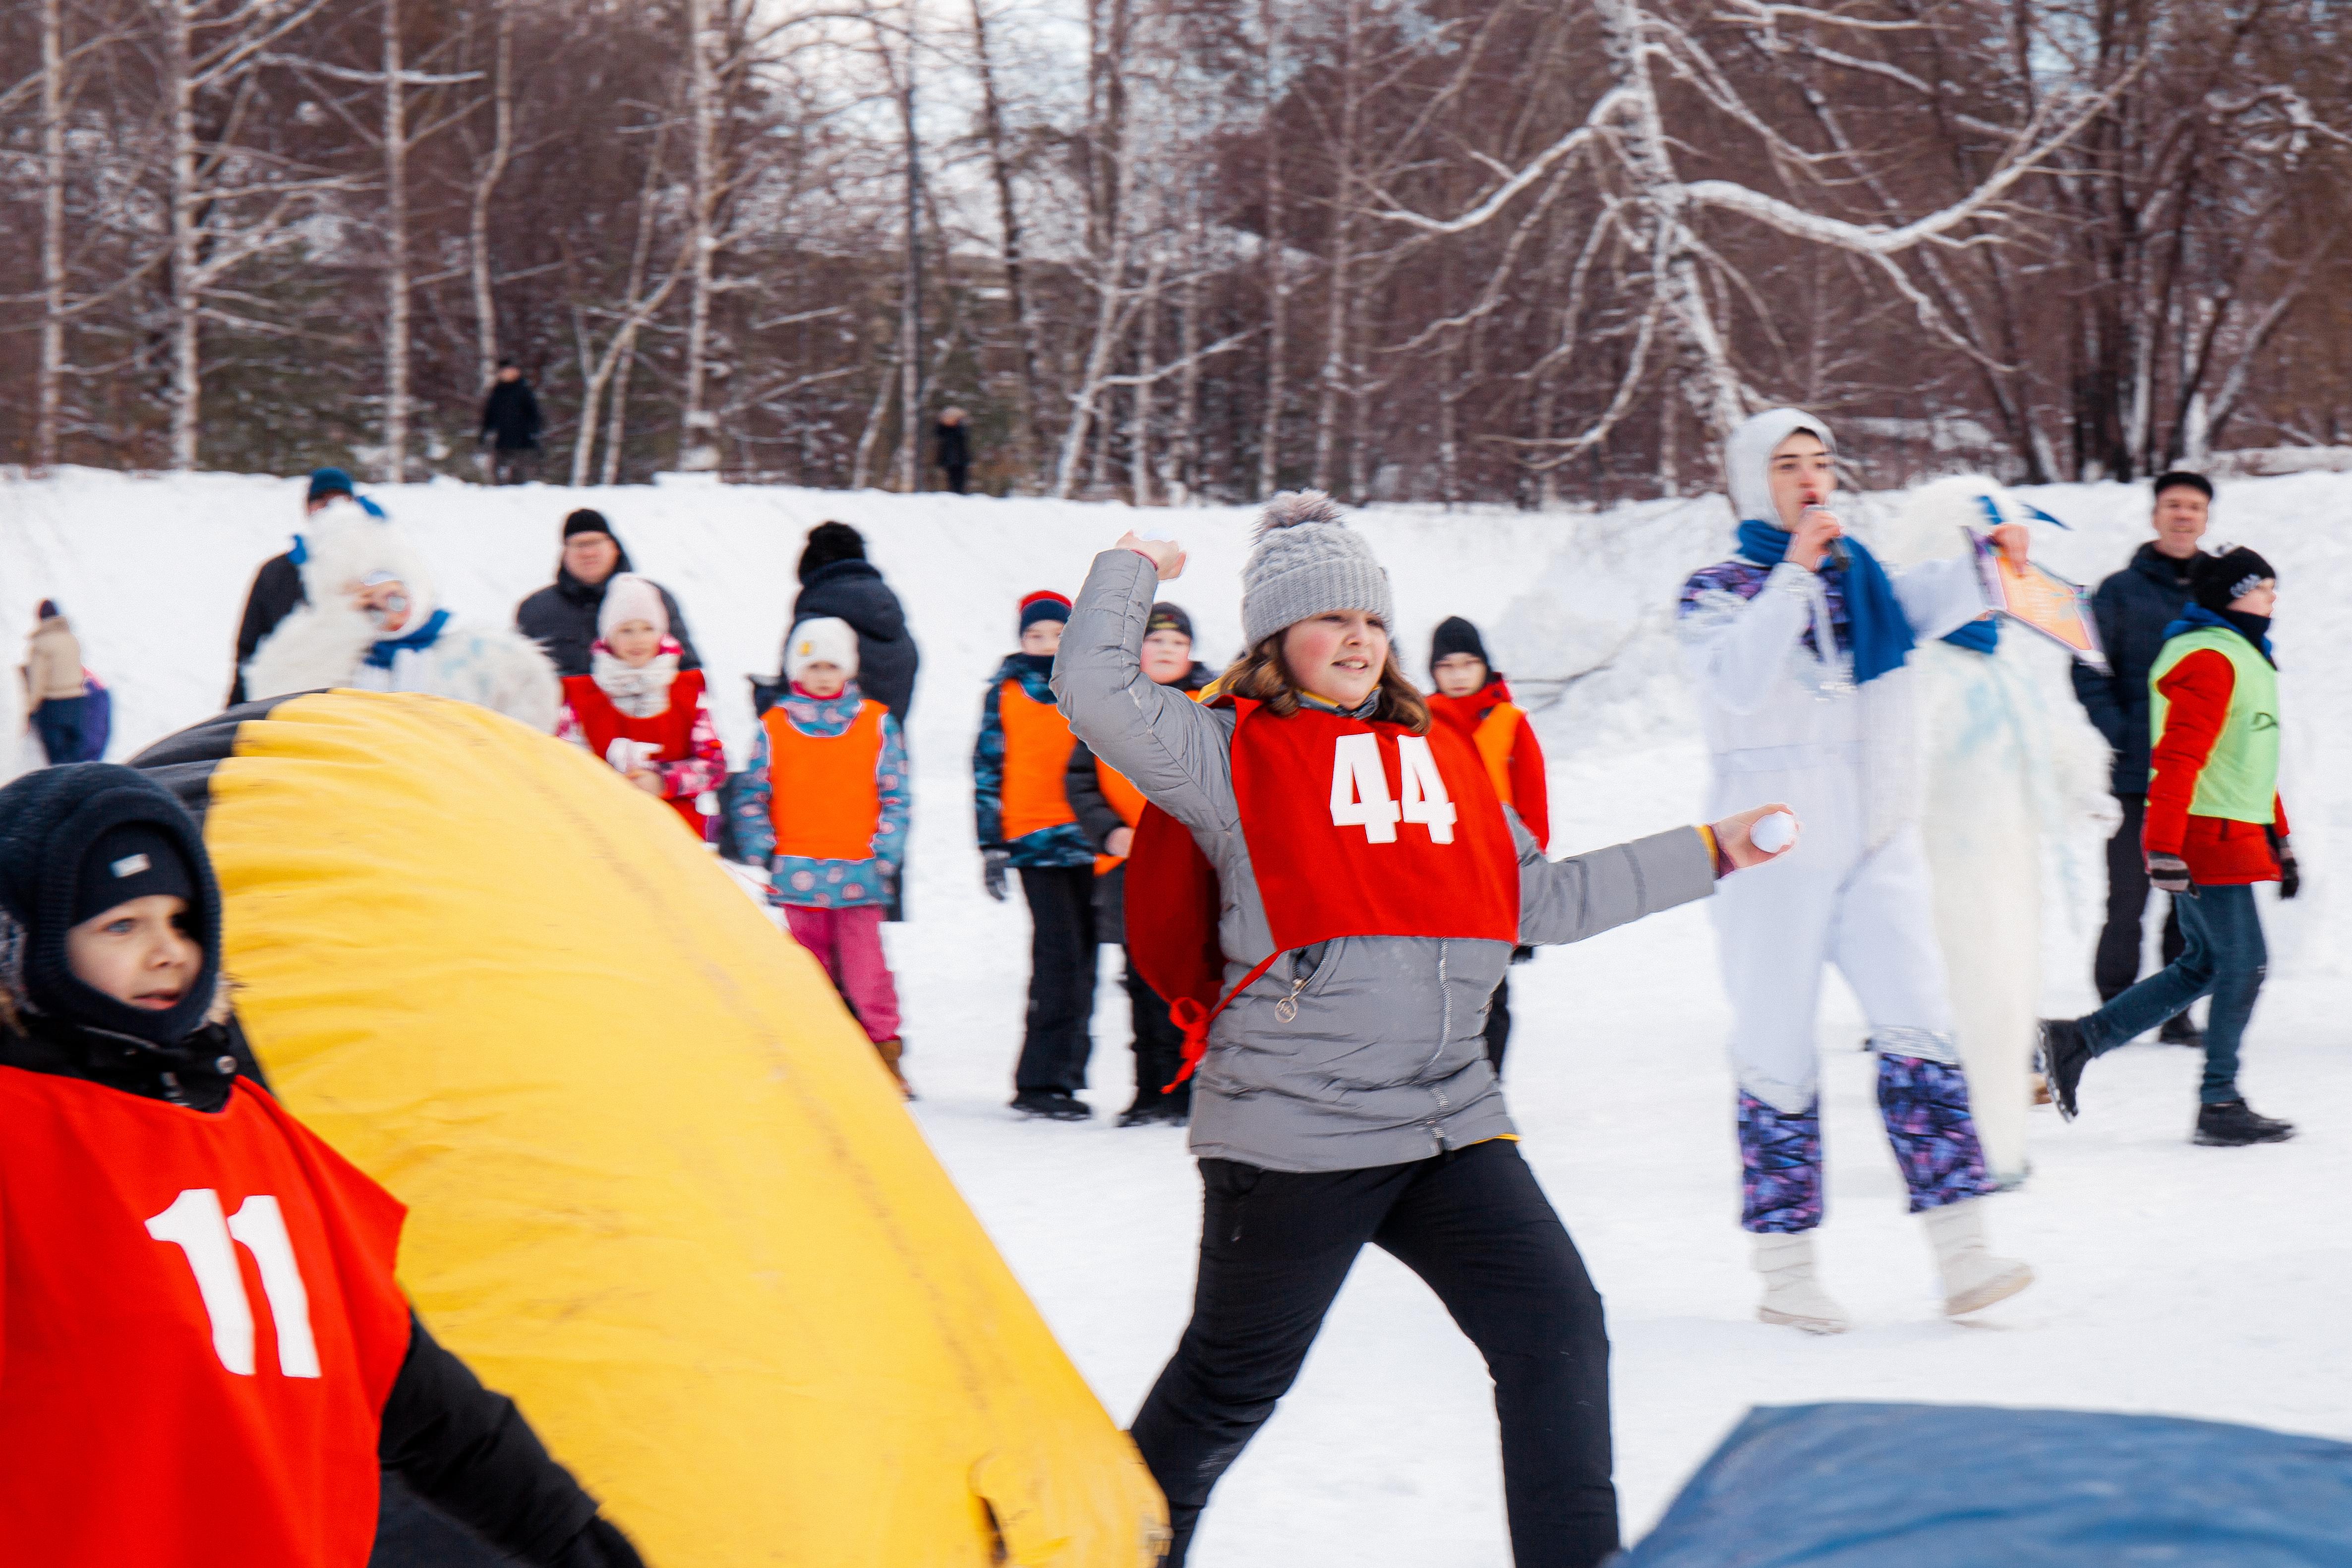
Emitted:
<point x="2012" y="777"/>
<point x="373" y="622"/>
<point x="1799" y="646"/>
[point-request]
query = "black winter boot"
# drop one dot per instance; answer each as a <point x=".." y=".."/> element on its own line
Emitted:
<point x="2064" y="1054"/>
<point x="2181" y="1029"/>
<point x="1051" y="1106"/>
<point x="2232" y="1123"/>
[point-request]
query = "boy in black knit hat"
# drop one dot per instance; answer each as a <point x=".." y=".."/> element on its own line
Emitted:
<point x="2215" y="827"/>
<point x="156" y="1405"/>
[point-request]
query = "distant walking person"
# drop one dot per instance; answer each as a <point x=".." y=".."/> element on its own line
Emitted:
<point x="2134" y="608"/>
<point x="276" y="591"/>
<point x="954" y="438"/>
<point x="511" y="426"/>
<point x="56" y="698"/>
<point x="561" y="617"/>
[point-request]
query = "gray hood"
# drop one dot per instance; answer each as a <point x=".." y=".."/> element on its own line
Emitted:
<point x="1748" y="458"/>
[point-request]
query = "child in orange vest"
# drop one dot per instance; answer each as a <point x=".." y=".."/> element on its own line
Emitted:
<point x="823" y="806"/>
<point x="1472" y="695"/>
<point x="1025" y="823"/>
<point x="206" y="1359"/>
<point x="1109" y="807"/>
<point x="638" y="711"/>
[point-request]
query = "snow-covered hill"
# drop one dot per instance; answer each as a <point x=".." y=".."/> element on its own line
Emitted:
<point x="2203" y="1281"/>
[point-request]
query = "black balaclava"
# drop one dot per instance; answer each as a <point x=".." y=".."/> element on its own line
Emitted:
<point x="1455" y="636"/>
<point x="75" y="841"/>
<point x="2216" y="580"/>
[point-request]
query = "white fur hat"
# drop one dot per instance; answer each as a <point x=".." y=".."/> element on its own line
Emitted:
<point x="342" y="545"/>
<point x="627" y="597"/>
<point x="826" y="640"/>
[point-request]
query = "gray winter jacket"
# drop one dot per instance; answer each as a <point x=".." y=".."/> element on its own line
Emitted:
<point x="1385" y="1059"/>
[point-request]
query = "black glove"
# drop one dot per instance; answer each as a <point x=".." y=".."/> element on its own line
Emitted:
<point x="601" y="1545"/>
<point x="2290" y="875"/>
<point x="993" y="864"/>
<point x="2169" y="872"/>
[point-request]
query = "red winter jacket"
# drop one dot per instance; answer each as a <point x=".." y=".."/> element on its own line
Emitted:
<point x="1524" y="786"/>
<point x="2220" y="853"/>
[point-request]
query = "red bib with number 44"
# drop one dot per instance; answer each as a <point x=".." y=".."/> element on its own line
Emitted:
<point x="1407" y="840"/>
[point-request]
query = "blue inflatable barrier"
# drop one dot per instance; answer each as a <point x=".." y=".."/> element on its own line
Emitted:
<point x="1942" y="1486"/>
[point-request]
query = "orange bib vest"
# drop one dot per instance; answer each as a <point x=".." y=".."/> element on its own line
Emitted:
<point x="1495" y="734"/>
<point x="1038" y="746"/>
<point x="822" y="798"/>
<point x="1125" y="798"/>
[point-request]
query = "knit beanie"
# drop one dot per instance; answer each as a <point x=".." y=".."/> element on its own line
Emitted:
<point x="325" y="482"/>
<point x="1307" y="561"/>
<point x="829" y="542"/>
<point x="1455" y="636"/>
<point x="588" y="520"/>
<point x="1044" y="605"/>
<point x="2216" y="579"/>
<point x="822" y="640"/>
<point x="71" y="836"/>
<point x="48" y="610"/>
<point x="628" y="597"/>
<point x="1167" y="617"/>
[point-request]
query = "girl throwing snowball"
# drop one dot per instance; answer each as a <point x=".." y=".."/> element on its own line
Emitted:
<point x="1370" y="889"/>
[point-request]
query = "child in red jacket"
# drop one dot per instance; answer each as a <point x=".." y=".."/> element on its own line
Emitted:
<point x="1472" y="695"/>
<point x="2215" y="827"/>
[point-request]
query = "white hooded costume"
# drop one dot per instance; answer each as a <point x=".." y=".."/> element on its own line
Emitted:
<point x="2012" y="775"/>
<point x="329" y="641"/>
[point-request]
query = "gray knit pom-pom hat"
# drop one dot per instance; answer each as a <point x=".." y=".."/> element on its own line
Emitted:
<point x="1307" y="561"/>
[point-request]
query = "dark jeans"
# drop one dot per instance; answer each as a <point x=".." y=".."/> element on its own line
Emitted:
<point x="2118" y="963"/>
<point x="1275" y="1246"/>
<point x="1498" y="1023"/>
<point x="1056" y="1042"/>
<point x="1158" y="1045"/>
<point x="2224" y="957"/>
<point x="59" y="723"/>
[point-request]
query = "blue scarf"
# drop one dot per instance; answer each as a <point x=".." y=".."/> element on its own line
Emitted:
<point x="1881" y="633"/>
<point x="2195" y="616"/>
<point x="380" y="654"/>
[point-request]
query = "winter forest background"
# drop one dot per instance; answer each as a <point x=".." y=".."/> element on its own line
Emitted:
<point x="1515" y="251"/>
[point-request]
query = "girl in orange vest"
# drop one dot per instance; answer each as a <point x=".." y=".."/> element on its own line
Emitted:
<point x="1109" y="807"/>
<point x="638" y="711"/>
<point x="823" y="806"/>
<point x="1370" y="889"/>
<point x="1022" y="814"/>
<point x="1472" y="695"/>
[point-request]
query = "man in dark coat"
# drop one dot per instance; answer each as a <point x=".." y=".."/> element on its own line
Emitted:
<point x="510" y="426"/>
<point x="276" y="591"/>
<point x="837" y="580"/>
<point x="2133" y="608"/>
<point x="954" y="437"/>
<point x="561" y="617"/>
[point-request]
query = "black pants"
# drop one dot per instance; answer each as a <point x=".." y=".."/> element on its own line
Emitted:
<point x="2117" y="964"/>
<point x="1056" y="1044"/>
<point x="1474" y="1225"/>
<point x="958" y="475"/>
<point x="1158" y="1046"/>
<point x="514" y="465"/>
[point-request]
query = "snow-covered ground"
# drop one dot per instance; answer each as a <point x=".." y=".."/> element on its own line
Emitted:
<point x="2206" y="1282"/>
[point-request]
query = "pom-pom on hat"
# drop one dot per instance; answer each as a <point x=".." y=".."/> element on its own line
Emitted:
<point x="829" y="542"/>
<point x="628" y="597"/>
<point x="1044" y="605"/>
<point x="2216" y="580"/>
<point x="1308" y="561"/>
<point x="821" y="640"/>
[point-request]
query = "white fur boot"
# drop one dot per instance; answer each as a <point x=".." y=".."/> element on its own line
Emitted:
<point x="1791" y="1295"/>
<point x="1973" y="1278"/>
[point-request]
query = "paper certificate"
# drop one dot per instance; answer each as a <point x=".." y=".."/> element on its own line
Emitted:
<point x="2037" y="597"/>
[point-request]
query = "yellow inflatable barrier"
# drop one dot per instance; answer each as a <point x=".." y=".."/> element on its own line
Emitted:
<point x="660" y="1190"/>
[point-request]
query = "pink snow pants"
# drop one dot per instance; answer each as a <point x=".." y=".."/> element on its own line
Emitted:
<point x="848" y="943"/>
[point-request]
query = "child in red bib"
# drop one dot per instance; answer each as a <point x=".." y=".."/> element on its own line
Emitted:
<point x="205" y="1359"/>
<point x="1370" y="888"/>
<point x="638" y="711"/>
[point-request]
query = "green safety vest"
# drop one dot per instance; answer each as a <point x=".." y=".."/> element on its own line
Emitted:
<point x="2240" y="780"/>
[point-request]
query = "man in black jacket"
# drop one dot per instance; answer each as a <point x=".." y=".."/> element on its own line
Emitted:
<point x="276" y="591"/>
<point x="2133" y="608"/>
<point x="561" y="617"/>
<point x="837" y="580"/>
<point x="510" y="426"/>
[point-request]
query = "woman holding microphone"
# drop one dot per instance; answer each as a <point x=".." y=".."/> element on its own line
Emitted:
<point x="1797" y="645"/>
<point x="1370" y="889"/>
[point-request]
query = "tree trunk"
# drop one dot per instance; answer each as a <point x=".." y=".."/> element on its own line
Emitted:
<point x="49" y="397"/>
<point x="696" y="450"/>
<point x="910" y="303"/>
<point x="1139" y="446"/>
<point x="1016" y="283"/>
<point x="1277" y="275"/>
<point x="1188" y="389"/>
<point x="180" y="94"/>
<point x="1333" y="379"/>
<point x="486" y="309"/>
<point x="395" y="279"/>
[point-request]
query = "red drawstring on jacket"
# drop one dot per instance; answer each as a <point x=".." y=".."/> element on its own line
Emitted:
<point x="1186" y="1014"/>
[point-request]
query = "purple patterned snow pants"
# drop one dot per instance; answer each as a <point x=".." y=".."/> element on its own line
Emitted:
<point x="1925" y="1107"/>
